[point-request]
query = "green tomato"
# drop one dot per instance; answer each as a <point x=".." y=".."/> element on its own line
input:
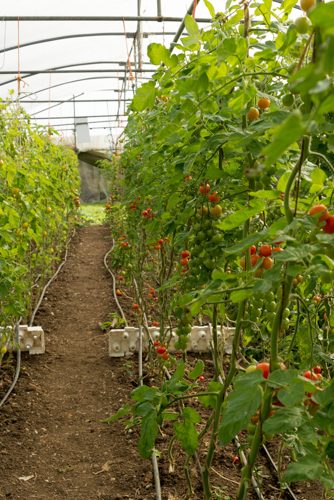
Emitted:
<point x="286" y="312"/>
<point x="302" y="25"/>
<point x="270" y="296"/>
<point x="285" y="323"/>
<point x="217" y="238"/>
<point x="271" y="306"/>
<point x="200" y="236"/>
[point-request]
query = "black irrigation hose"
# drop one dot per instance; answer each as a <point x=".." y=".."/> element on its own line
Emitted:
<point x="18" y="351"/>
<point x="154" y="460"/>
<point x="18" y="365"/>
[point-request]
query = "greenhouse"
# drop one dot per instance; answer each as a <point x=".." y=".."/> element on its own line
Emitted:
<point x="167" y="250"/>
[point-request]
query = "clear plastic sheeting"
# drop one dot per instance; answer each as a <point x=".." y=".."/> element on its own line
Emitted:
<point x="63" y="69"/>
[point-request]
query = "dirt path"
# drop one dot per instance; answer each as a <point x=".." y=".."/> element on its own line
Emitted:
<point x="50" y="429"/>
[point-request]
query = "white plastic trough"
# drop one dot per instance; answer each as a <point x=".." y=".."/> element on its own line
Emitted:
<point x="125" y="342"/>
<point x="31" y="339"/>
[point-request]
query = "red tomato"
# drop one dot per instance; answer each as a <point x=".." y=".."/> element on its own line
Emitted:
<point x="278" y="249"/>
<point x="329" y="226"/>
<point x="135" y="307"/>
<point x="254" y="259"/>
<point x="201" y="378"/>
<point x="156" y="343"/>
<point x="317" y="369"/>
<point x="265" y="250"/>
<point x="161" y="350"/>
<point x="161" y="241"/>
<point x="214" y="197"/>
<point x="155" y="323"/>
<point x="307" y="374"/>
<point x="185" y="253"/>
<point x="265" y="368"/>
<point x="252" y="250"/>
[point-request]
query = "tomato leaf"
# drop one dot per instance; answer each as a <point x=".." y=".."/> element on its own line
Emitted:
<point x="239" y="406"/>
<point x="286" y="134"/>
<point x="185" y="432"/>
<point x="144" y="97"/>
<point x="197" y="370"/>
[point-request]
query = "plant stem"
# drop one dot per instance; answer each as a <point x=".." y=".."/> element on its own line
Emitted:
<point x="215" y="342"/>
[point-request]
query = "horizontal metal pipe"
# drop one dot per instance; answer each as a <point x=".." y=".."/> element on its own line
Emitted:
<point x="71" y="81"/>
<point x="46" y="101"/>
<point x="79" y="35"/>
<point x="55" y="125"/>
<point x="71" y="117"/>
<point x="33" y="72"/>
<point x="101" y="18"/>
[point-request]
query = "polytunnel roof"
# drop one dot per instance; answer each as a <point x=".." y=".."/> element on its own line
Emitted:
<point x="72" y="58"/>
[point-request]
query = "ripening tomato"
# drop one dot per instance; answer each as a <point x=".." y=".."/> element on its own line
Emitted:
<point x="265" y="368"/>
<point x="184" y="262"/>
<point x="306" y="5"/>
<point x="165" y="356"/>
<point x="253" y="114"/>
<point x="135" y="307"/>
<point x="263" y="103"/>
<point x="155" y="323"/>
<point x="329" y="226"/>
<point x="265" y="250"/>
<point x="321" y="211"/>
<point x="278" y="249"/>
<point x="204" y="188"/>
<point x="267" y="263"/>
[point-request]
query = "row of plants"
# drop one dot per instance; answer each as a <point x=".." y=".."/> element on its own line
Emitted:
<point x="39" y="184"/>
<point x="223" y="198"/>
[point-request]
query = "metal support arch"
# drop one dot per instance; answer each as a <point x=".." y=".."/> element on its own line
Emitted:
<point x="80" y="35"/>
<point x="168" y="19"/>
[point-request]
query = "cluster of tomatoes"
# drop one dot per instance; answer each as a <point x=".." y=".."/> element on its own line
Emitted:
<point x="148" y="213"/>
<point x="323" y="215"/>
<point x="184" y="261"/>
<point x="264" y="252"/>
<point x="213" y="197"/>
<point x="253" y="113"/>
<point x="134" y="204"/>
<point x="152" y="295"/>
<point x="159" y="244"/>
<point x="161" y="350"/>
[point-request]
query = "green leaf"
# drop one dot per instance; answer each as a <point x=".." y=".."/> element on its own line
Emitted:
<point x="327" y="106"/>
<point x="322" y="17"/>
<point x="266" y="194"/>
<point x="210" y="8"/>
<point x="239" y="406"/>
<point x="240" y="295"/>
<point x="330" y="450"/>
<point x="144" y="393"/>
<point x="304" y="470"/>
<point x="210" y="401"/>
<point x="148" y="433"/>
<point x="285" y="419"/>
<point x="191" y="26"/>
<point x="185" y="432"/>
<point x="125" y="410"/>
<point x="240" y="216"/>
<point x="144" y="97"/>
<point x="158" y="54"/>
<point x="197" y="370"/>
<point x="286" y="134"/>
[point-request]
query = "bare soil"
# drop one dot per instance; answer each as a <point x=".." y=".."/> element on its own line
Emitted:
<point x="53" y="443"/>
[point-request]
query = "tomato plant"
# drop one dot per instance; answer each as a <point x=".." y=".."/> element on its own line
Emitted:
<point x="39" y="184"/>
<point x="243" y="111"/>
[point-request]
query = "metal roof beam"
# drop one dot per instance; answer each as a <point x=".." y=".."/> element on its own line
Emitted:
<point x="46" y="101"/>
<point x="166" y="19"/>
<point x="33" y="72"/>
<point x="79" y="35"/>
<point x="70" y="117"/>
